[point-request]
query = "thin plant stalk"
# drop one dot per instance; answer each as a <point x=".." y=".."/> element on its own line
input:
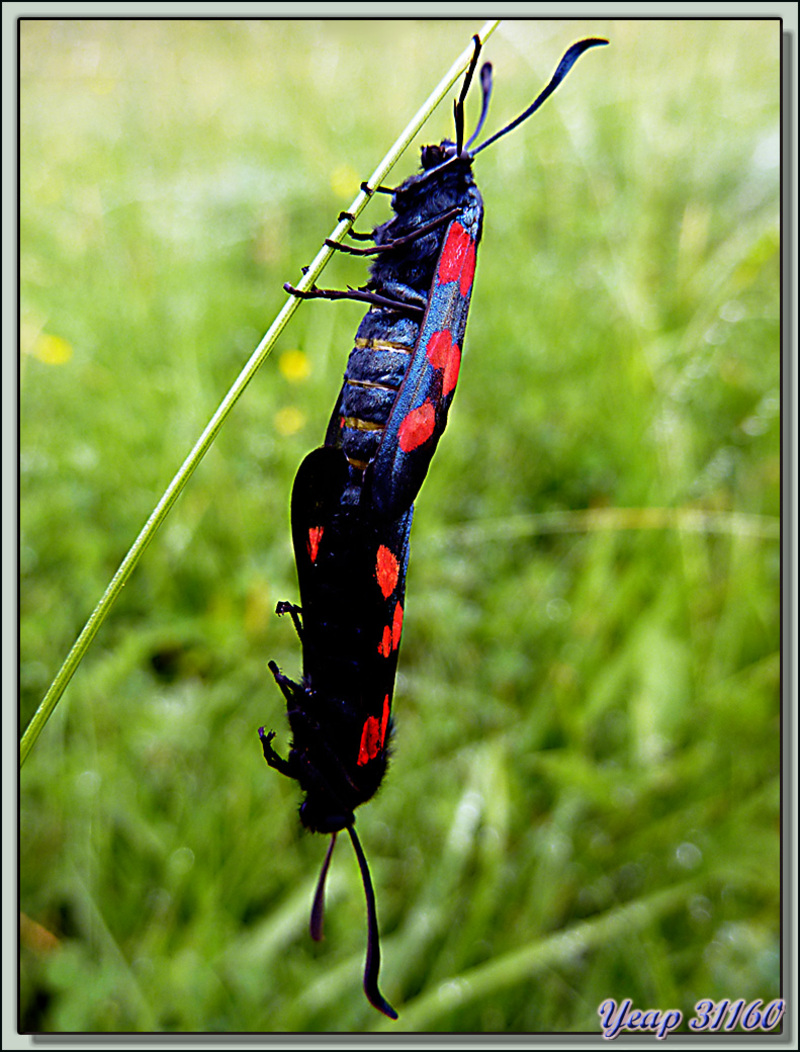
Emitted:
<point x="204" y="442"/>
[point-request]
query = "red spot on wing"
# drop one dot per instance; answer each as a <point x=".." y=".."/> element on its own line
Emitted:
<point x="312" y="541"/>
<point x="417" y="427"/>
<point x="452" y="258"/>
<point x="385" y="719"/>
<point x="373" y="735"/>
<point x="385" y="645"/>
<point x="397" y="626"/>
<point x="390" y="640"/>
<point x="468" y="269"/>
<point x="387" y="570"/>
<point x="457" y="261"/>
<point x="444" y="354"/>
<point x="370" y="735"/>
<point x="438" y="349"/>
<point x="450" y="378"/>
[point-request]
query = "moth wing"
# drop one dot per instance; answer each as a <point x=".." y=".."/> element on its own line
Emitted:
<point x="419" y="414"/>
<point x="316" y="500"/>
<point x="380" y="591"/>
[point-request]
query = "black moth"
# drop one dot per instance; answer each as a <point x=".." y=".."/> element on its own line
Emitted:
<point x="352" y="501"/>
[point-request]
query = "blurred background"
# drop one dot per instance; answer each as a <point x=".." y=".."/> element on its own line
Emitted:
<point x="587" y="750"/>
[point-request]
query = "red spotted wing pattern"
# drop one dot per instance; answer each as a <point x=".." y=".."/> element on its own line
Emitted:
<point x="352" y="502"/>
<point x="419" y="414"/>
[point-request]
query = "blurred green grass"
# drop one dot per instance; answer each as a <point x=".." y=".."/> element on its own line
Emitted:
<point x="587" y="754"/>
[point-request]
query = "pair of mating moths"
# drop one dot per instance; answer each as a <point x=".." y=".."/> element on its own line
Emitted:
<point x="353" y="498"/>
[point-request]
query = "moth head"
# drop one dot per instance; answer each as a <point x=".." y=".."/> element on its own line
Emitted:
<point x="437" y="153"/>
<point x="322" y="814"/>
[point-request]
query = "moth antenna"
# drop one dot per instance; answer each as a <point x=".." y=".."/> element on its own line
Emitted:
<point x="486" y="88"/>
<point x="373" y="962"/>
<point x="571" y="56"/>
<point x="318" y="909"/>
<point x="458" y="106"/>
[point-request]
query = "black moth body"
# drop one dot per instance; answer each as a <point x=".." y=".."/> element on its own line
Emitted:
<point x="352" y="501"/>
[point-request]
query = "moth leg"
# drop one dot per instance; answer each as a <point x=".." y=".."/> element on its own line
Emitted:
<point x="358" y="236"/>
<point x="367" y="189"/>
<point x="363" y="296"/>
<point x="289" y="688"/>
<point x="353" y="233"/>
<point x="398" y="242"/>
<point x="285" y="607"/>
<point x="272" y="758"/>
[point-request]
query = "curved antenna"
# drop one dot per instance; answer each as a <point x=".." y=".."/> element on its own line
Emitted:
<point x="458" y="105"/>
<point x="486" y="88"/>
<point x="571" y="56"/>
<point x="373" y="962"/>
<point x="318" y="909"/>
